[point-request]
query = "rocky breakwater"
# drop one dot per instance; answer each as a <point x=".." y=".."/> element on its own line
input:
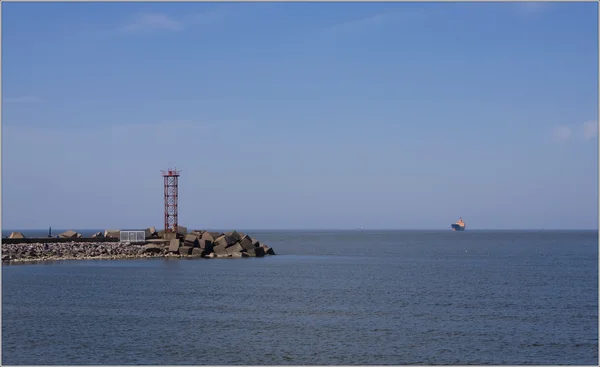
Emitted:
<point x="22" y="252"/>
<point x="196" y="244"/>
<point x="207" y="244"/>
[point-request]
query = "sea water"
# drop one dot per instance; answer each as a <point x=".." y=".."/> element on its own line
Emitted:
<point x="328" y="297"/>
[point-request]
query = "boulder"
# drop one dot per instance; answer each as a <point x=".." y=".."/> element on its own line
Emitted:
<point x="219" y="250"/>
<point x="191" y="240"/>
<point x="112" y="233"/>
<point x="150" y="232"/>
<point x="70" y="234"/>
<point x="151" y="248"/>
<point x="185" y="250"/>
<point x="174" y="246"/>
<point x="233" y="249"/>
<point x="16" y="235"/>
<point x="98" y="235"/>
<point x="246" y="243"/>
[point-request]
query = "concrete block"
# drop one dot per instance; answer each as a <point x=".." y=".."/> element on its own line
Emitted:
<point x="197" y="252"/>
<point x="161" y="233"/>
<point x="112" y="233"/>
<point x="185" y="250"/>
<point x="169" y="235"/>
<point x="246" y="243"/>
<point x="235" y="235"/>
<point x="219" y="250"/>
<point x="225" y="240"/>
<point x="69" y="234"/>
<point x="205" y="245"/>
<point x="174" y="246"/>
<point x="236" y="254"/>
<point x="98" y="235"/>
<point x="255" y="242"/>
<point x="270" y="251"/>
<point x="207" y="236"/>
<point x="250" y="253"/>
<point x="235" y="248"/>
<point x="210" y="256"/>
<point x="216" y="234"/>
<point x="150" y="232"/>
<point x="182" y="231"/>
<point x="16" y="235"/>
<point x="259" y="251"/>
<point x="191" y="240"/>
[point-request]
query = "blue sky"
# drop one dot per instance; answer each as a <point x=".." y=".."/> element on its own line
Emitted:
<point x="305" y="115"/>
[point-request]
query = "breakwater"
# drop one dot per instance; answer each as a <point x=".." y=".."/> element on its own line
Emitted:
<point x="195" y="244"/>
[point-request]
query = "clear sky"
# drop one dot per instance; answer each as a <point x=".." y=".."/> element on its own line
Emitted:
<point x="306" y="115"/>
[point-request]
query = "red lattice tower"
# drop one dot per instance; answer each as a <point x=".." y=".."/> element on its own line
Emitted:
<point x="171" y="177"/>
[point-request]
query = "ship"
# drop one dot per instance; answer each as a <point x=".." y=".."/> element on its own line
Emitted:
<point x="459" y="225"/>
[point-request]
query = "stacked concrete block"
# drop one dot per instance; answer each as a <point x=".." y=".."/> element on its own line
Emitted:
<point x="70" y="234"/>
<point x="16" y="235"/>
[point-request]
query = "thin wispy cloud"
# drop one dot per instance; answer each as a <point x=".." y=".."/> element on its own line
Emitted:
<point x="562" y="133"/>
<point x="145" y="22"/>
<point x="149" y="21"/>
<point x="582" y="132"/>
<point x="372" y="21"/>
<point x="590" y="130"/>
<point x="24" y="99"/>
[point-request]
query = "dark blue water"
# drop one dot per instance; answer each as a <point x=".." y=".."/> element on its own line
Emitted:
<point x="328" y="298"/>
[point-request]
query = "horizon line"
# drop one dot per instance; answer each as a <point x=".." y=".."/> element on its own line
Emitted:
<point x="324" y="229"/>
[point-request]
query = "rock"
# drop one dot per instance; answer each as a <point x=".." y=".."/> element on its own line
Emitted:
<point x="98" y="235"/>
<point x="16" y="235"/>
<point x="151" y="248"/>
<point x="174" y="246"/>
<point x="185" y="250"/>
<point x="233" y="249"/>
<point x="150" y="232"/>
<point x="236" y="254"/>
<point x="246" y="243"/>
<point x="191" y="240"/>
<point x="70" y="234"/>
<point x="210" y="256"/>
<point x="6" y="257"/>
<point x="112" y="233"/>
